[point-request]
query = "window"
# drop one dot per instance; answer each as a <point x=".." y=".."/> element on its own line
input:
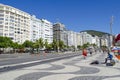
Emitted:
<point x="1" y="11"/>
<point x="1" y="22"/>
<point x="1" y="15"/>
<point x="11" y="17"/>
<point x="6" y="23"/>
<point x="1" y="18"/>
<point x="11" y="34"/>
<point x="1" y="26"/>
<point x="18" y="32"/>
<point x="6" y="34"/>
<point x="7" y="12"/>
<point x="11" y="38"/>
<point x="6" y="26"/>
<point x="7" y="8"/>
<point x="11" y="27"/>
<point x="1" y="34"/>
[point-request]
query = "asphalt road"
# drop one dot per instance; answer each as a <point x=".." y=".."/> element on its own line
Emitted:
<point x="15" y="61"/>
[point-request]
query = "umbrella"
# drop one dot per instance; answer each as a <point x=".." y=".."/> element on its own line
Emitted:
<point x="117" y="38"/>
<point x="116" y="49"/>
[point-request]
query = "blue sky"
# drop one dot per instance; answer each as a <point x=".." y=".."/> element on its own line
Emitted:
<point x="76" y="15"/>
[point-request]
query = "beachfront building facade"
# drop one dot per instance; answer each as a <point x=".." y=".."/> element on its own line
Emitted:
<point x="21" y="26"/>
<point x="86" y="38"/>
<point x="59" y="33"/>
<point x="73" y="39"/>
<point x="46" y="30"/>
<point x="35" y="29"/>
<point x="91" y="39"/>
<point x="14" y="23"/>
<point x="41" y="28"/>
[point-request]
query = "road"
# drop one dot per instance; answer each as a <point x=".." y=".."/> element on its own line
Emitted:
<point x="72" y="68"/>
<point x="15" y="61"/>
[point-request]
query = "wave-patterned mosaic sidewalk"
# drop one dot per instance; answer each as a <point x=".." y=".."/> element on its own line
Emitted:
<point x="75" y="68"/>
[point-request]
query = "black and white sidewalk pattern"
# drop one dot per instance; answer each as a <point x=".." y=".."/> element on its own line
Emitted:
<point x="75" y="68"/>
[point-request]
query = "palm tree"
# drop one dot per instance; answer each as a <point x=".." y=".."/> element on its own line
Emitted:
<point x="85" y="45"/>
<point x="41" y="43"/>
<point x="55" y="45"/>
<point x="46" y="44"/>
<point x="61" y="45"/>
<point x="28" y="44"/>
<point x="79" y="47"/>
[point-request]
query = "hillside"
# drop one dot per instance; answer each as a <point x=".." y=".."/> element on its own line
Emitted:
<point x="97" y="33"/>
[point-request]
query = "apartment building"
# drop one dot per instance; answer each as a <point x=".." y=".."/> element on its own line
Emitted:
<point x="14" y="23"/>
<point x="35" y="29"/>
<point x="46" y="30"/>
<point x="86" y="38"/>
<point x="79" y="38"/>
<point x="73" y="38"/>
<point x="91" y="39"/>
<point x="59" y="32"/>
<point x="41" y="28"/>
<point x="21" y="26"/>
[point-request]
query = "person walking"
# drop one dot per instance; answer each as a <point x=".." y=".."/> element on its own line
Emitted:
<point x="84" y="53"/>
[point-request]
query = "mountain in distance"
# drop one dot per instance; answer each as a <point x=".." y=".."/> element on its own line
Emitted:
<point x="94" y="32"/>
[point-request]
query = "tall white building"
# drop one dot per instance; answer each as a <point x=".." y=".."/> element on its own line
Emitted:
<point x="41" y="28"/>
<point x="14" y="23"/>
<point x="46" y="30"/>
<point x="86" y="38"/>
<point x="79" y="39"/>
<point x="21" y="26"/>
<point x="91" y="39"/>
<point x="96" y="40"/>
<point x="35" y="30"/>
<point x="72" y="38"/>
